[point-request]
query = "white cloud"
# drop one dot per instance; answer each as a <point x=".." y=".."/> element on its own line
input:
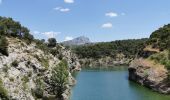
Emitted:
<point x="51" y="34"/>
<point x="62" y="9"/>
<point x="69" y="1"/>
<point x="57" y="8"/>
<point x="107" y="25"/>
<point x="67" y="38"/>
<point x="111" y="14"/>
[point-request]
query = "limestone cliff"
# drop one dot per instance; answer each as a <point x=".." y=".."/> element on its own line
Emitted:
<point x="27" y="67"/>
<point x="150" y="74"/>
<point x="105" y="62"/>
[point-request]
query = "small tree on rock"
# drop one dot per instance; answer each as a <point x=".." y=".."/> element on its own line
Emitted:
<point x="52" y="42"/>
<point x="59" y="78"/>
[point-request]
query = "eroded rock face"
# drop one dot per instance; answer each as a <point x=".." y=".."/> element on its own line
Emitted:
<point x="104" y="62"/>
<point x="150" y="75"/>
<point x="25" y="65"/>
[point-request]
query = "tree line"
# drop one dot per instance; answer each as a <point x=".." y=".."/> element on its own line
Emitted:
<point x="128" y="47"/>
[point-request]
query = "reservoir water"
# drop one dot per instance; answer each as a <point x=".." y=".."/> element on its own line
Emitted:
<point x="111" y="85"/>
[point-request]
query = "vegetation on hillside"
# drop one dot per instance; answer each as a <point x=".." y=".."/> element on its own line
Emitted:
<point x="60" y="73"/>
<point x="60" y="78"/>
<point x="161" y="38"/>
<point x="129" y="48"/>
<point x="11" y="28"/>
<point x="3" y="45"/>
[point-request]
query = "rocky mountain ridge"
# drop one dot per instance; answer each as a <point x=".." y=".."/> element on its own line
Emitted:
<point x="77" y="41"/>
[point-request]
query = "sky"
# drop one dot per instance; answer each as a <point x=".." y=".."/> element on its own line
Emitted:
<point x="100" y="20"/>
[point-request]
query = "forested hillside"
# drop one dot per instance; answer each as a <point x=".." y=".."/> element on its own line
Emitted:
<point x="129" y="48"/>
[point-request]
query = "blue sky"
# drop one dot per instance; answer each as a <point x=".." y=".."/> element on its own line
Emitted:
<point x="100" y="20"/>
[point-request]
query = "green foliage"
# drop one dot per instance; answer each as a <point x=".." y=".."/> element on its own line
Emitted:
<point x="42" y="45"/>
<point x="9" y="27"/>
<point x="11" y="79"/>
<point x="161" y="37"/>
<point x="52" y="42"/>
<point x="38" y="91"/>
<point x="3" y="45"/>
<point x="128" y="47"/>
<point x="60" y="56"/>
<point x="44" y="62"/>
<point x="169" y="53"/>
<point x="167" y="65"/>
<point x="59" y="78"/>
<point x="25" y="79"/>
<point x="3" y="92"/>
<point x="54" y="52"/>
<point x="14" y="63"/>
<point x="161" y="58"/>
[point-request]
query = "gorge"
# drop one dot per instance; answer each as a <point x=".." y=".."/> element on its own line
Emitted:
<point x="37" y="69"/>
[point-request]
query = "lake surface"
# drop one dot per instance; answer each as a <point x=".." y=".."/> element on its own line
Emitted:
<point x="111" y="85"/>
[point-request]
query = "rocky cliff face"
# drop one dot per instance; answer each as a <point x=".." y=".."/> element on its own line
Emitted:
<point x="150" y="74"/>
<point x="27" y="67"/>
<point x="104" y="62"/>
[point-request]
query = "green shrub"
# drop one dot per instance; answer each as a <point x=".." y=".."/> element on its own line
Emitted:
<point x="52" y="42"/>
<point x="38" y="91"/>
<point x="44" y="62"/>
<point x="169" y="53"/>
<point x="60" y="56"/>
<point x="25" y="86"/>
<point x="59" y="78"/>
<point x="11" y="79"/>
<point x="159" y="57"/>
<point x="167" y="65"/>
<point x="3" y="45"/>
<point x="25" y="79"/>
<point x="14" y="63"/>
<point x="54" y="52"/>
<point x="30" y="74"/>
<point x="3" y="92"/>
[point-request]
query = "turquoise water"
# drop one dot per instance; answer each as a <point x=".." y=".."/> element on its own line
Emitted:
<point x="110" y="85"/>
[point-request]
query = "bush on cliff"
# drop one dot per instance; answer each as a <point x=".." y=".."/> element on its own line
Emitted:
<point x="59" y="78"/>
<point x="9" y="27"/>
<point x="3" y="92"/>
<point x="3" y="45"/>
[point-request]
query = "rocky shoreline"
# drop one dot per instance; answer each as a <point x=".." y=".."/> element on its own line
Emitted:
<point x="149" y="76"/>
<point x="104" y="62"/>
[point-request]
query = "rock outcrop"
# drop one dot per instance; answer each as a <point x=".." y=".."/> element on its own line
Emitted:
<point x="149" y="74"/>
<point x="104" y="62"/>
<point x="27" y="67"/>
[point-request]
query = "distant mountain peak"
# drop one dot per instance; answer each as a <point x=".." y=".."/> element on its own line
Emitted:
<point x="77" y="41"/>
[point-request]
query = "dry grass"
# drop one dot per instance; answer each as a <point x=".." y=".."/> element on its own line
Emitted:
<point x="146" y="63"/>
<point x="156" y="72"/>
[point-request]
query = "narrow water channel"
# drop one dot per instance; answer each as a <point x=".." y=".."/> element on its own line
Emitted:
<point x="111" y="85"/>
